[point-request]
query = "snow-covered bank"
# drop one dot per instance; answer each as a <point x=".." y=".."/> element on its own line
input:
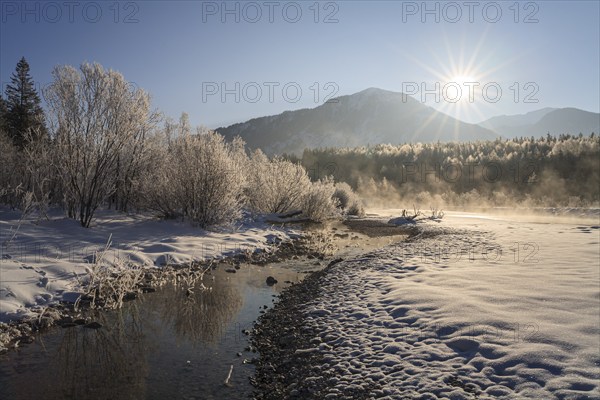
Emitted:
<point x="39" y="260"/>
<point x="493" y="308"/>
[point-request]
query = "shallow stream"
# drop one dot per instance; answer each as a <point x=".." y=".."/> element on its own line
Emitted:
<point x="171" y="344"/>
<point x="164" y="345"/>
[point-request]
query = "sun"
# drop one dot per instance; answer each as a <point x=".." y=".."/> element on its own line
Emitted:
<point x="463" y="79"/>
<point x="455" y="76"/>
<point x="458" y="88"/>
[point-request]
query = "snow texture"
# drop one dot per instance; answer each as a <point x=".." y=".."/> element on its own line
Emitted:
<point x="465" y="315"/>
<point x="39" y="260"/>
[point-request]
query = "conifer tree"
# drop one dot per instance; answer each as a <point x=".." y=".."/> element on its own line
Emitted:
<point x="25" y="117"/>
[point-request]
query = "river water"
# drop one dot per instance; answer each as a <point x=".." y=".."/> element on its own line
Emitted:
<point x="165" y="345"/>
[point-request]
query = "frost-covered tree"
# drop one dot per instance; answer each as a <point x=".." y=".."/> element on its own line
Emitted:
<point x="158" y="192"/>
<point x="96" y="119"/>
<point x="347" y="199"/>
<point x="196" y="177"/>
<point x="25" y="117"/>
<point x="208" y="179"/>
<point x="275" y="186"/>
<point x="132" y="162"/>
<point x="318" y="203"/>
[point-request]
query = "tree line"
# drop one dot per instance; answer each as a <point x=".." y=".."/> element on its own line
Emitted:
<point x="102" y="145"/>
<point x="547" y="171"/>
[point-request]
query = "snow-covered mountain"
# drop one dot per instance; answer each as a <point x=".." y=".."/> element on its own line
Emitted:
<point x="555" y="121"/>
<point x="371" y="116"/>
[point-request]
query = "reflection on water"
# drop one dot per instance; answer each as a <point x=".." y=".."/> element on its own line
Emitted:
<point x="199" y="315"/>
<point x="172" y="344"/>
<point x="88" y="359"/>
<point x="78" y="363"/>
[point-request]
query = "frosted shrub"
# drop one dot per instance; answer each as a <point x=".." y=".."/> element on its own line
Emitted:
<point x="132" y="163"/>
<point x="347" y="199"/>
<point x="275" y="186"/>
<point x="198" y="178"/>
<point x="40" y="173"/>
<point x="159" y="191"/>
<point x="208" y="179"/>
<point x="318" y="203"/>
<point x="356" y="208"/>
<point x="342" y="194"/>
<point x="280" y="186"/>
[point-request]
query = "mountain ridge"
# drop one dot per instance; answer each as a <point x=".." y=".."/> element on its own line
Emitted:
<point x="374" y="116"/>
<point x="555" y="121"/>
<point x="370" y="116"/>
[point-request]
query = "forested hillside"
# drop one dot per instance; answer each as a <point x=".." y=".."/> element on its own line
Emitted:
<point x="549" y="171"/>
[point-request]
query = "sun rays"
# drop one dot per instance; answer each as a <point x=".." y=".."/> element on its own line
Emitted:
<point x="464" y="80"/>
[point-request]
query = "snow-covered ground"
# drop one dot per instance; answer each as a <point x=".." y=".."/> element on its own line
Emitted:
<point x="39" y="259"/>
<point x="497" y="307"/>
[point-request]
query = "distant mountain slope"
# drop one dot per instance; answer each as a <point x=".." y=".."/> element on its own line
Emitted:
<point x="507" y="123"/>
<point x="567" y="120"/>
<point x="555" y="121"/>
<point x="369" y="117"/>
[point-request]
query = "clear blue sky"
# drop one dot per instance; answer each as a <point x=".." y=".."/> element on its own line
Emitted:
<point x="184" y="54"/>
